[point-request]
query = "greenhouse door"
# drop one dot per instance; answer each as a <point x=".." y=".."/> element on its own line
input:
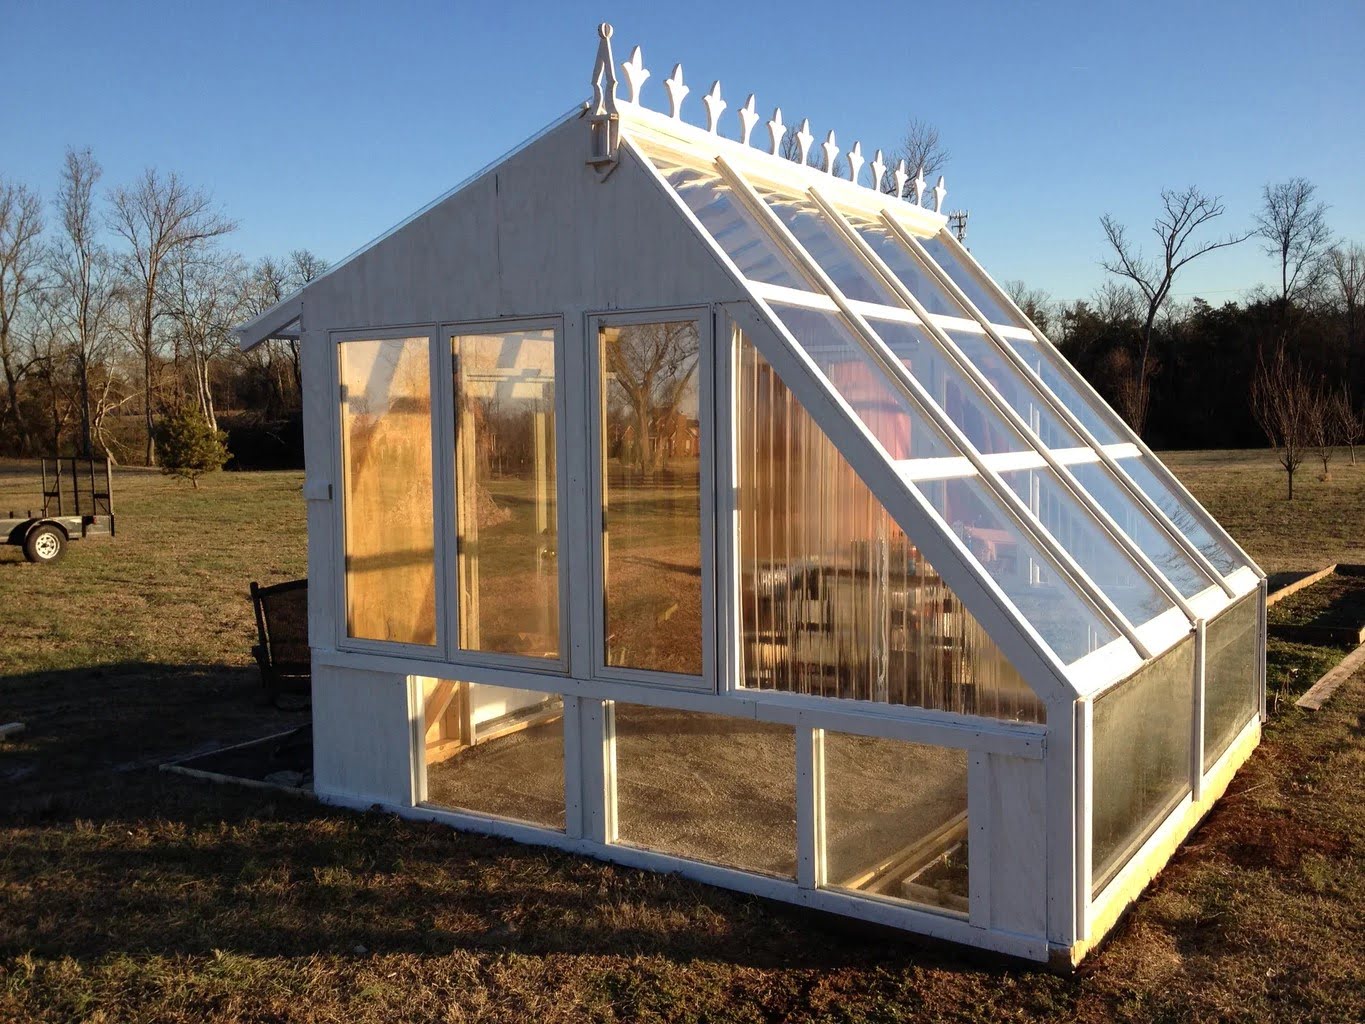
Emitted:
<point x="651" y="393"/>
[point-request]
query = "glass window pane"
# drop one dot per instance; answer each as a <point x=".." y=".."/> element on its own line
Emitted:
<point x="830" y="342"/>
<point x="1085" y="408"/>
<point x="973" y="285"/>
<point x="1021" y="394"/>
<point x="1181" y="513"/>
<point x="1027" y="576"/>
<point x="387" y="473"/>
<point x="1062" y="617"/>
<point x="1142" y="734"/>
<point x="651" y="495"/>
<point x="505" y="492"/>
<point x="896" y="820"/>
<point x="823" y="242"/>
<point x="1045" y="363"/>
<point x="707" y="787"/>
<point x="494" y="750"/>
<point x="734" y="228"/>
<point x="1232" y="696"/>
<point x="1076" y="530"/>
<point x="835" y="600"/>
<point x="1137" y="524"/>
<point x="918" y="279"/>
<point x="958" y="397"/>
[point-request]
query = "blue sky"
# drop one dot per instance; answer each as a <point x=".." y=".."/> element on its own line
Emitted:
<point x="321" y="125"/>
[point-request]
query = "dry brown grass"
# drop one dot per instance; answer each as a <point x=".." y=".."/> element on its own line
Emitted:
<point x="130" y="895"/>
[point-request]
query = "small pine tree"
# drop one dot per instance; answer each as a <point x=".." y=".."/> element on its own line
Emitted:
<point x="188" y="447"/>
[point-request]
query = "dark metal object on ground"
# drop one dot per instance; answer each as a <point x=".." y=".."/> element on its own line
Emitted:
<point x="282" y="633"/>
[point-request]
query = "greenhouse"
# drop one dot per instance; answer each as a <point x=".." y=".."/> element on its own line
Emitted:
<point x="688" y="496"/>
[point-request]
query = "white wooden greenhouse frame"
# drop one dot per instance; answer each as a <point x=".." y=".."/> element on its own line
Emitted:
<point x="1039" y="623"/>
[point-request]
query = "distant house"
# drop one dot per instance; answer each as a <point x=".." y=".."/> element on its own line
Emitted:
<point x="910" y="627"/>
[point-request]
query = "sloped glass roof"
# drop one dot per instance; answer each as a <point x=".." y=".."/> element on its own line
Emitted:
<point x="1053" y="498"/>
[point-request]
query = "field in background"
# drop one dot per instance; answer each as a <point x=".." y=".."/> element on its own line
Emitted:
<point x="130" y="895"/>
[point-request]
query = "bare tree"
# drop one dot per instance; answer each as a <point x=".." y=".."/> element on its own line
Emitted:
<point x="1294" y="229"/>
<point x="1282" y="401"/>
<point x="1346" y="271"/>
<point x="922" y="148"/>
<point x="85" y="285"/>
<point x="1035" y="303"/>
<point x="202" y="294"/>
<point x="790" y="148"/>
<point x="21" y="254"/>
<point x="1184" y="212"/>
<point x="1322" y="427"/>
<point x="157" y="217"/>
<point x="651" y="367"/>
<point x="1350" y="425"/>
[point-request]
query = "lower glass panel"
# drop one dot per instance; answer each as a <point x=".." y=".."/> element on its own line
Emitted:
<point x="1231" y="696"/>
<point x="494" y="750"/>
<point x="1141" y="758"/>
<point x="896" y="820"/>
<point x="707" y="787"/>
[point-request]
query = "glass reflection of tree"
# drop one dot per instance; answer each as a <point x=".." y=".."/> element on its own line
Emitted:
<point x="652" y="369"/>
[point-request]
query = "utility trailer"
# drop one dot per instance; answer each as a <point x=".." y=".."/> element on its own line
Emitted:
<point x="78" y="502"/>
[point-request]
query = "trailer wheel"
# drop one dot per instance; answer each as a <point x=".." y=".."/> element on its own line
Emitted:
<point x="44" y="544"/>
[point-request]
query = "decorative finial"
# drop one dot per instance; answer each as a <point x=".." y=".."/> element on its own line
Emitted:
<point x="804" y="138"/>
<point x="604" y="96"/>
<point x="940" y="190"/>
<point x="715" y="106"/>
<point x="878" y="168"/>
<point x="919" y="186"/>
<point x="636" y="74"/>
<point x="677" y="92"/>
<point x="748" y="117"/>
<point x="831" y="152"/>
<point x="901" y="176"/>
<point x="855" y="162"/>
<point x="776" y="130"/>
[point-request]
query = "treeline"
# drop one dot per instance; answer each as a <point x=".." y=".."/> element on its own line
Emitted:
<point x="116" y="306"/>
<point x="1205" y="358"/>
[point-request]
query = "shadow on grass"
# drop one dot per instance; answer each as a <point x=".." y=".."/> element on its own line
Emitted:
<point x="107" y="855"/>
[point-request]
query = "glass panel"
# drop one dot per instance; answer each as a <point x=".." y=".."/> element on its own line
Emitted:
<point x="387" y="473"/>
<point x="829" y="340"/>
<point x="1232" y="646"/>
<point x="1141" y="752"/>
<point x="896" y="820"/>
<point x="973" y="285"/>
<point x="707" y="787"/>
<point x="1094" y="550"/>
<point x="1029" y="578"/>
<point x="505" y="492"/>
<point x="823" y="242"/>
<point x="1142" y="529"/>
<point x="889" y="415"/>
<point x="1046" y="364"/>
<point x="918" y="279"/>
<point x="1085" y="408"/>
<point x="1021" y="394"/>
<point x="1181" y="513"/>
<point x="651" y="496"/>
<point x="734" y="228"/>
<point x="958" y="397"/>
<point x="494" y="750"/>
<point x="835" y="599"/>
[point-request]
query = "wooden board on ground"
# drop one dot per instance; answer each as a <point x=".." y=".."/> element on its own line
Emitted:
<point x="1317" y="695"/>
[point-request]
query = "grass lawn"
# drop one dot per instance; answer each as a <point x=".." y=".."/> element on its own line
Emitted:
<point x="130" y="895"/>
